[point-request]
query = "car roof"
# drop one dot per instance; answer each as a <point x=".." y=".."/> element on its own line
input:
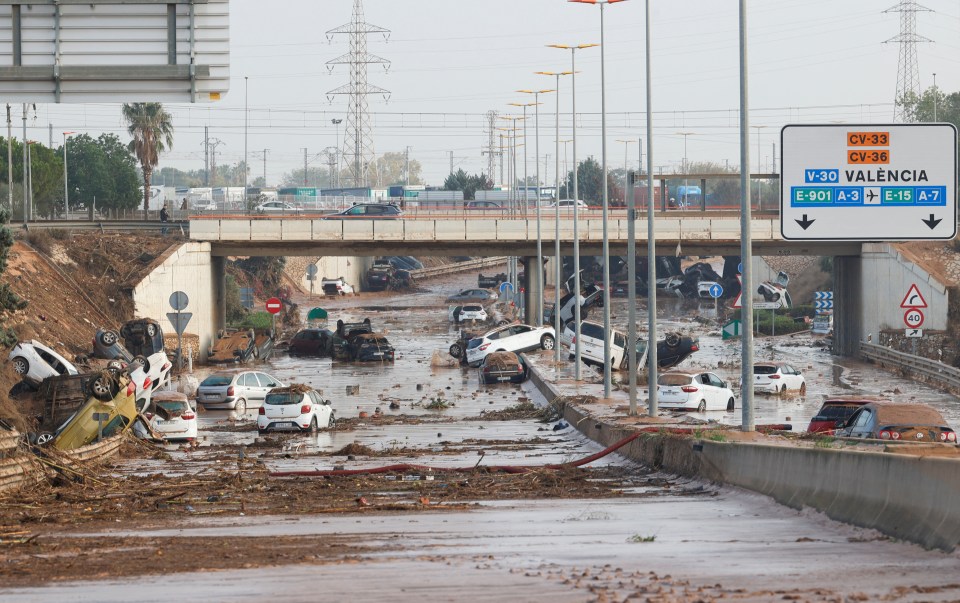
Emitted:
<point x="907" y="414"/>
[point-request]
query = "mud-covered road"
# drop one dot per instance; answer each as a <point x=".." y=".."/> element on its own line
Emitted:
<point x="208" y="522"/>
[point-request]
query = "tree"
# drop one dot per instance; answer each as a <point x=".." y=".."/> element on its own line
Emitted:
<point x="390" y="169"/>
<point x="460" y="181"/>
<point x="9" y="301"/>
<point x="920" y="108"/>
<point x="152" y="130"/>
<point x="101" y="169"/>
<point x="589" y="182"/>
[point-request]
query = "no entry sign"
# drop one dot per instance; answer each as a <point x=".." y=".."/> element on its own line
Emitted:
<point x="274" y="305"/>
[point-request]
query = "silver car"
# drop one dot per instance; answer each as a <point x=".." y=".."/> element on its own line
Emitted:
<point x="235" y="391"/>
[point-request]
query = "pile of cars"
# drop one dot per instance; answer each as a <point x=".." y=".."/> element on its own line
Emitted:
<point x="882" y="420"/>
<point x="673" y="349"/>
<point x="102" y="394"/>
<point x="354" y="341"/>
<point x="383" y="276"/>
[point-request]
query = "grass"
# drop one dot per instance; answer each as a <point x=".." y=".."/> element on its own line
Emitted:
<point x="438" y="402"/>
<point x="717" y="436"/>
<point x="824" y="442"/>
<point x="639" y="538"/>
<point x="257" y="320"/>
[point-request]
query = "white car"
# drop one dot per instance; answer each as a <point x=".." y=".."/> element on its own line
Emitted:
<point x="514" y="337"/>
<point x="336" y="286"/>
<point x="694" y="391"/>
<point x="471" y="312"/>
<point x="592" y="341"/>
<point x="171" y="416"/>
<point x="33" y="362"/>
<point x="777" y="378"/>
<point x="277" y="207"/>
<point x="568" y="204"/>
<point x="294" y="408"/>
<point x="157" y="367"/>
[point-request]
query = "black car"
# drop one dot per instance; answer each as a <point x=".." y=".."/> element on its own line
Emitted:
<point x="383" y="276"/>
<point x="379" y="211"/>
<point x="369" y="347"/>
<point x="405" y="262"/>
<point x="674" y="349"/>
<point x="339" y="343"/>
<point x="312" y="342"/>
<point x="491" y="282"/>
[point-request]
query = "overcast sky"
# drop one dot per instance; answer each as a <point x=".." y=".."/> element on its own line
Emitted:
<point x="811" y="61"/>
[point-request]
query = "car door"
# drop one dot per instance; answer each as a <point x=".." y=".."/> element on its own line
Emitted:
<point x="265" y="384"/>
<point x="860" y="423"/>
<point x="795" y="379"/>
<point x="249" y="388"/>
<point x="321" y="410"/>
<point x="718" y="393"/>
<point x="524" y="338"/>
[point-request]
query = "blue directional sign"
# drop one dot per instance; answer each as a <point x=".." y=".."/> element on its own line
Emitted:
<point x="505" y="286"/>
<point x="716" y="291"/>
<point x="740" y="268"/>
<point x="868" y="182"/>
<point x="823" y="305"/>
<point x="822" y="295"/>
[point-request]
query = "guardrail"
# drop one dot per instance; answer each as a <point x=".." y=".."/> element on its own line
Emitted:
<point x="180" y="226"/>
<point x="458" y="267"/>
<point x="929" y="370"/>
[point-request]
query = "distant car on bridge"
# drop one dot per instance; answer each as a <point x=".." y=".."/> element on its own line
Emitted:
<point x="483" y="205"/>
<point x="568" y="204"/>
<point x="277" y="207"/>
<point x="382" y="211"/>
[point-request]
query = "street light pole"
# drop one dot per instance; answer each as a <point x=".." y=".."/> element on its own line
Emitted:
<point x="336" y="126"/>
<point x="683" y="201"/>
<point x="577" y="346"/>
<point x="246" y="119"/>
<point x="538" y="309"/>
<point x="746" y="240"/>
<point x="652" y="403"/>
<point x="558" y="272"/>
<point x="759" y="168"/>
<point x="66" y="206"/>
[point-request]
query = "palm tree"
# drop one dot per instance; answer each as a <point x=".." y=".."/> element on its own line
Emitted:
<point x="152" y="131"/>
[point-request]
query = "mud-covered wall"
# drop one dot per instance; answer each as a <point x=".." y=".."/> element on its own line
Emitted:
<point x="187" y="269"/>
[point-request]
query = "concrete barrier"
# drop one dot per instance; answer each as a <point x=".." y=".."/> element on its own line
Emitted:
<point x="908" y="497"/>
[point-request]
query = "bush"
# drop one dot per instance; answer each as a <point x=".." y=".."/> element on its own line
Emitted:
<point x="40" y="240"/>
<point x="783" y="325"/>
<point x="235" y="309"/>
<point x="800" y="311"/>
<point x="257" y="320"/>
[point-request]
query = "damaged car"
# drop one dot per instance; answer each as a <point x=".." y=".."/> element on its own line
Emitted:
<point x="339" y="343"/>
<point x="382" y="276"/>
<point x="170" y="417"/>
<point x="100" y="418"/>
<point x="33" y="362"/>
<point x="242" y="346"/>
<point x="370" y="347"/>
<point x="502" y="367"/>
<point x="336" y="286"/>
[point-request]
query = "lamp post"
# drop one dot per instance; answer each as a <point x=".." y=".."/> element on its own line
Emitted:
<point x="246" y="119"/>
<point x="556" y="208"/>
<point x="576" y="208"/>
<point x="538" y="304"/>
<point x="746" y="236"/>
<point x="607" y="369"/>
<point x="652" y="405"/>
<point x="683" y="202"/>
<point x="512" y="173"/>
<point x="336" y="125"/>
<point x="759" y="169"/>
<point x="934" y="97"/>
<point x="626" y="168"/>
<point x="66" y="205"/>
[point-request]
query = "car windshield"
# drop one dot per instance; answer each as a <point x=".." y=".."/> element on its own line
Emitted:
<point x="836" y="412"/>
<point x="214" y="380"/>
<point x="474" y="343"/>
<point x="472" y="308"/>
<point x="674" y="379"/>
<point x="172" y="405"/>
<point x="764" y="369"/>
<point x="283" y="399"/>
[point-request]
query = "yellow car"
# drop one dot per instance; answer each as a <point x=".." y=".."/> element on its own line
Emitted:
<point x="98" y="419"/>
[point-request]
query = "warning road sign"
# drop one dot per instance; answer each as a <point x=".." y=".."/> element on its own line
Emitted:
<point x="913" y="298"/>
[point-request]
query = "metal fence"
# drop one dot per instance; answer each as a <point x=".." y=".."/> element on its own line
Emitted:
<point x="930" y="371"/>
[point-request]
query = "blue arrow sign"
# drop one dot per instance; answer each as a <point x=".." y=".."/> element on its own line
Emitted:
<point x="505" y="286"/>
<point x="823" y="295"/>
<point x="823" y="305"/>
<point x="740" y="268"/>
<point x="716" y="291"/>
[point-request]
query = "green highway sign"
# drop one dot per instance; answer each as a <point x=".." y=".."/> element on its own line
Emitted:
<point x="731" y="330"/>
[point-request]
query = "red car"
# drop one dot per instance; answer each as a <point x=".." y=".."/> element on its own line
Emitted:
<point x="834" y="413"/>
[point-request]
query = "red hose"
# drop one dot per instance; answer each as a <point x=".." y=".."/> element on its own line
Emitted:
<point x="499" y="468"/>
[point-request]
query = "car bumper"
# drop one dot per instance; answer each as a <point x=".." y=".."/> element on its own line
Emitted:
<point x="228" y="404"/>
<point x="176" y="432"/>
<point x="679" y="405"/>
<point x="282" y="423"/>
<point x="767" y="388"/>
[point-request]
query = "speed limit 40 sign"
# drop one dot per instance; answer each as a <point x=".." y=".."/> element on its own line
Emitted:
<point x="913" y="318"/>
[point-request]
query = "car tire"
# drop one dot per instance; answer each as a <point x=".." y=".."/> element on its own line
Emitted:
<point x="783" y="390"/>
<point x="313" y="425"/>
<point x="142" y="362"/>
<point x="547" y="342"/>
<point x="115" y="364"/>
<point x="104" y="387"/>
<point x="240" y="406"/>
<point x="109" y="338"/>
<point x="44" y="438"/>
<point x="731" y="405"/>
<point x="456" y="350"/>
<point x="702" y="407"/>
<point x="332" y="421"/>
<point x="21" y="366"/>
<point x="151" y="330"/>
<point x="672" y="340"/>
<point x="803" y="389"/>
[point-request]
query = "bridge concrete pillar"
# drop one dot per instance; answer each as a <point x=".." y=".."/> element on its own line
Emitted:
<point x="219" y="276"/>
<point x="533" y="290"/>
<point x="847" y="305"/>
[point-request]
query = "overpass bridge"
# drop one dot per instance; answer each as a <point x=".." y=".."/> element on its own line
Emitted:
<point x="698" y="233"/>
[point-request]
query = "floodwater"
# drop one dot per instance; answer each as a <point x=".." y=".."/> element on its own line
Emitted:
<point x="668" y="539"/>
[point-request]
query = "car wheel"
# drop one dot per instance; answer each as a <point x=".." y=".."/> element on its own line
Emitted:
<point x="332" y="421"/>
<point x="803" y="389"/>
<point x="240" y="406"/>
<point x="151" y="330"/>
<point x="115" y="365"/>
<point x="503" y="322"/>
<point x="547" y="342"/>
<point x="456" y="350"/>
<point x="672" y="340"/>
<point x="20" y="366"/>
<point x="108" y="338"/>
<point x="104" y="387"/>
<point x="731" y="405"/>
<point x="313" y="424"/>
<point x="141" y="362"/>
<point x="44" y="438"/>
<point x="783" y="390"/>
<point x="702" y="407"/>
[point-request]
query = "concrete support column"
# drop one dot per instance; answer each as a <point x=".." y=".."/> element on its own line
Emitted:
<point x="533" y="291"/>
<point x="847" y="305"/>
<point x="219" y="276"/>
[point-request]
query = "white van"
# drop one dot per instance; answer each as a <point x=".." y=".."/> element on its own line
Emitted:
<point x="592" y="342"/>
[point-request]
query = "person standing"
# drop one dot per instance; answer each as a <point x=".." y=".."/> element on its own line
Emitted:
<point x="164" y="218"/>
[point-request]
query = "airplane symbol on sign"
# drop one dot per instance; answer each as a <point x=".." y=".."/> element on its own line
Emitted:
<point x="871" y="195"/>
